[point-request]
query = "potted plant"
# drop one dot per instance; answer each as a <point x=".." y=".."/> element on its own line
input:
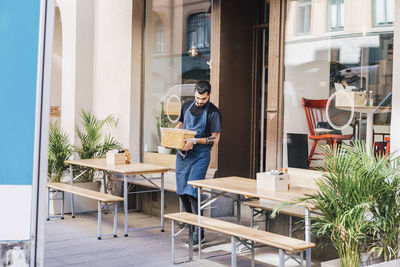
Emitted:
<point x="358" y="197"/>
<point x="59" y="151"/>
<point x="94" y="143"/>
<point x="162" y="122"/>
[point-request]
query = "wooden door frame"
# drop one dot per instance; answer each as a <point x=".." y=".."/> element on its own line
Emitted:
<point x="275" y="85"/>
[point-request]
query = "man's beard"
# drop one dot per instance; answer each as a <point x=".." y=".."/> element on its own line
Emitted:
<point x="201" y="105"/>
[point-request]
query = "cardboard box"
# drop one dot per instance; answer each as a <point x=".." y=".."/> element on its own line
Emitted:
<point x="270" y="182"/>
<point x="345" y="97"/>
<point x="175" y="138"/>
<point x="115" y="158"/>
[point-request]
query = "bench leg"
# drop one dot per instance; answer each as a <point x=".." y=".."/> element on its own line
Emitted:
<point x="281" y="258"/>
<point x="301" y="258"/>
<point x="268" y="221"/>
<point x="290" y="225"/>
<point x="233" y="251"/>
<point x="48" y="203"/>
<point x="190" y="243"/>
<point x="253" y="264"/>
<point x="62" y="205"/>
<point x="115" y="218"/>
<point x="173" y="240"/>
<point x="98" y="220"/>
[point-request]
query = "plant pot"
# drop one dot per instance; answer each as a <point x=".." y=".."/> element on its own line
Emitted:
<point x="81" y="204"/>
<point x="331" y="263"/>
<point x="164" y="150"/>
<point x="366" y="259"/>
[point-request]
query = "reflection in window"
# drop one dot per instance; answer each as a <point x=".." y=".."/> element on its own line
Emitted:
<point x="169" y="72"/>
<point x="159" y="37"/>
<point x="383" y="12"/>
<point x="334" y="74"/>
<point x="303" y="16"/>
<point x="335" y="15"/>
<point x="199" y="30"/>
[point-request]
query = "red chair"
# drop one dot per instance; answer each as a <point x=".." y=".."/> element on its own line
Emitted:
<point x="387" y="140"/>
<point x="315" y="113"/>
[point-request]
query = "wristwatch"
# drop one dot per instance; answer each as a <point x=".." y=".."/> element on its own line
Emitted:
<point x="194" y="141"/>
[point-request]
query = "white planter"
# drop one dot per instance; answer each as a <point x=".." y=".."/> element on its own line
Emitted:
<point x="81" y="204"/>
<point x="163" y="150"/>
<point x="331" y="263"/>
<point x="365" y="260"/>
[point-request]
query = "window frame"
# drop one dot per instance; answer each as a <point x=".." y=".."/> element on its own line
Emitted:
<point x="204" y="16"/>
<point x="303" y="4"/>
<point x="339" y="15"/>
<point x="385" y="8"/>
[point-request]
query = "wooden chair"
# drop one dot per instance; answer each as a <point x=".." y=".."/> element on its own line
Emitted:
<point x="387" y="140"/>
<point x="315" y="113"/>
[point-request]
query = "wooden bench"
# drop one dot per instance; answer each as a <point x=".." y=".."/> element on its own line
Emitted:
<point x="102" y="200"/>
<point x="245" y="235"/>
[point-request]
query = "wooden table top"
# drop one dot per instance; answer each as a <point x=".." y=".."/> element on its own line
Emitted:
<point x="367" y="109"/>
<point x="248" y="188"/>
<point x="133" y="168"/>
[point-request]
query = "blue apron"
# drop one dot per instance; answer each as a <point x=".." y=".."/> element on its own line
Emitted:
<point x="195" y="164"/>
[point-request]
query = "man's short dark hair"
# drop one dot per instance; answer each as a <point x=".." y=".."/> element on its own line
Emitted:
<point x="203" y="87"/>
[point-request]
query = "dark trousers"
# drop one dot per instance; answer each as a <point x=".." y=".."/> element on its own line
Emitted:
<point x="190" y="204"/>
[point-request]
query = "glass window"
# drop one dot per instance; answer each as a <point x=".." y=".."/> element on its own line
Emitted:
<point x="170" y="71"/>
<point x="383" y="12"/>
<point x="335" y="15"/>
<point x="199" y="30"/>
<point x="338" y="88"/>
<point x="303" y="17"/>
<point x="159" y="37"/>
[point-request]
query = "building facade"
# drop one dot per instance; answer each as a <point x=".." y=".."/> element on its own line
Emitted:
<point x="139" y="59"/>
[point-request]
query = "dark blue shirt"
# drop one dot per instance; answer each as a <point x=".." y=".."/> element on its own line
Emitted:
<point x="214" y="122"/>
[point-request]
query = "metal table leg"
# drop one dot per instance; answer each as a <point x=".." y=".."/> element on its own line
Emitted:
<point x="115" y="218"/>
<point x="199" y="214"/>
<point x="162" y="202"/>
<point x="233" y="251"/>
<point x="308" y="236"/>
<point x="126" y="204"/>
<point x="71" y="175"/>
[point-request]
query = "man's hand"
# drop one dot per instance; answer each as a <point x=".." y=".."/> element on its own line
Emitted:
<point x="189" y="144"/>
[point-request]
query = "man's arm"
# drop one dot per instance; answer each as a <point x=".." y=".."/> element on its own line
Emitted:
<point x="211" y="140"/>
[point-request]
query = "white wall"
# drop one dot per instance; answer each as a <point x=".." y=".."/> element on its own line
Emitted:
<point x="112" y="64"/>
<point x="56" y="66"/>
<point x="77" y="61"/>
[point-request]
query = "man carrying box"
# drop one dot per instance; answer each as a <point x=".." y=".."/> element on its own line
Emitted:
<point x="192" y="161"/>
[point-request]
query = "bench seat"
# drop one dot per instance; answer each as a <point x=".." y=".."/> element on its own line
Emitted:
<point x="105" y="198"/>
<point x="283" y="243"/>
<point x="102" y="200"/>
